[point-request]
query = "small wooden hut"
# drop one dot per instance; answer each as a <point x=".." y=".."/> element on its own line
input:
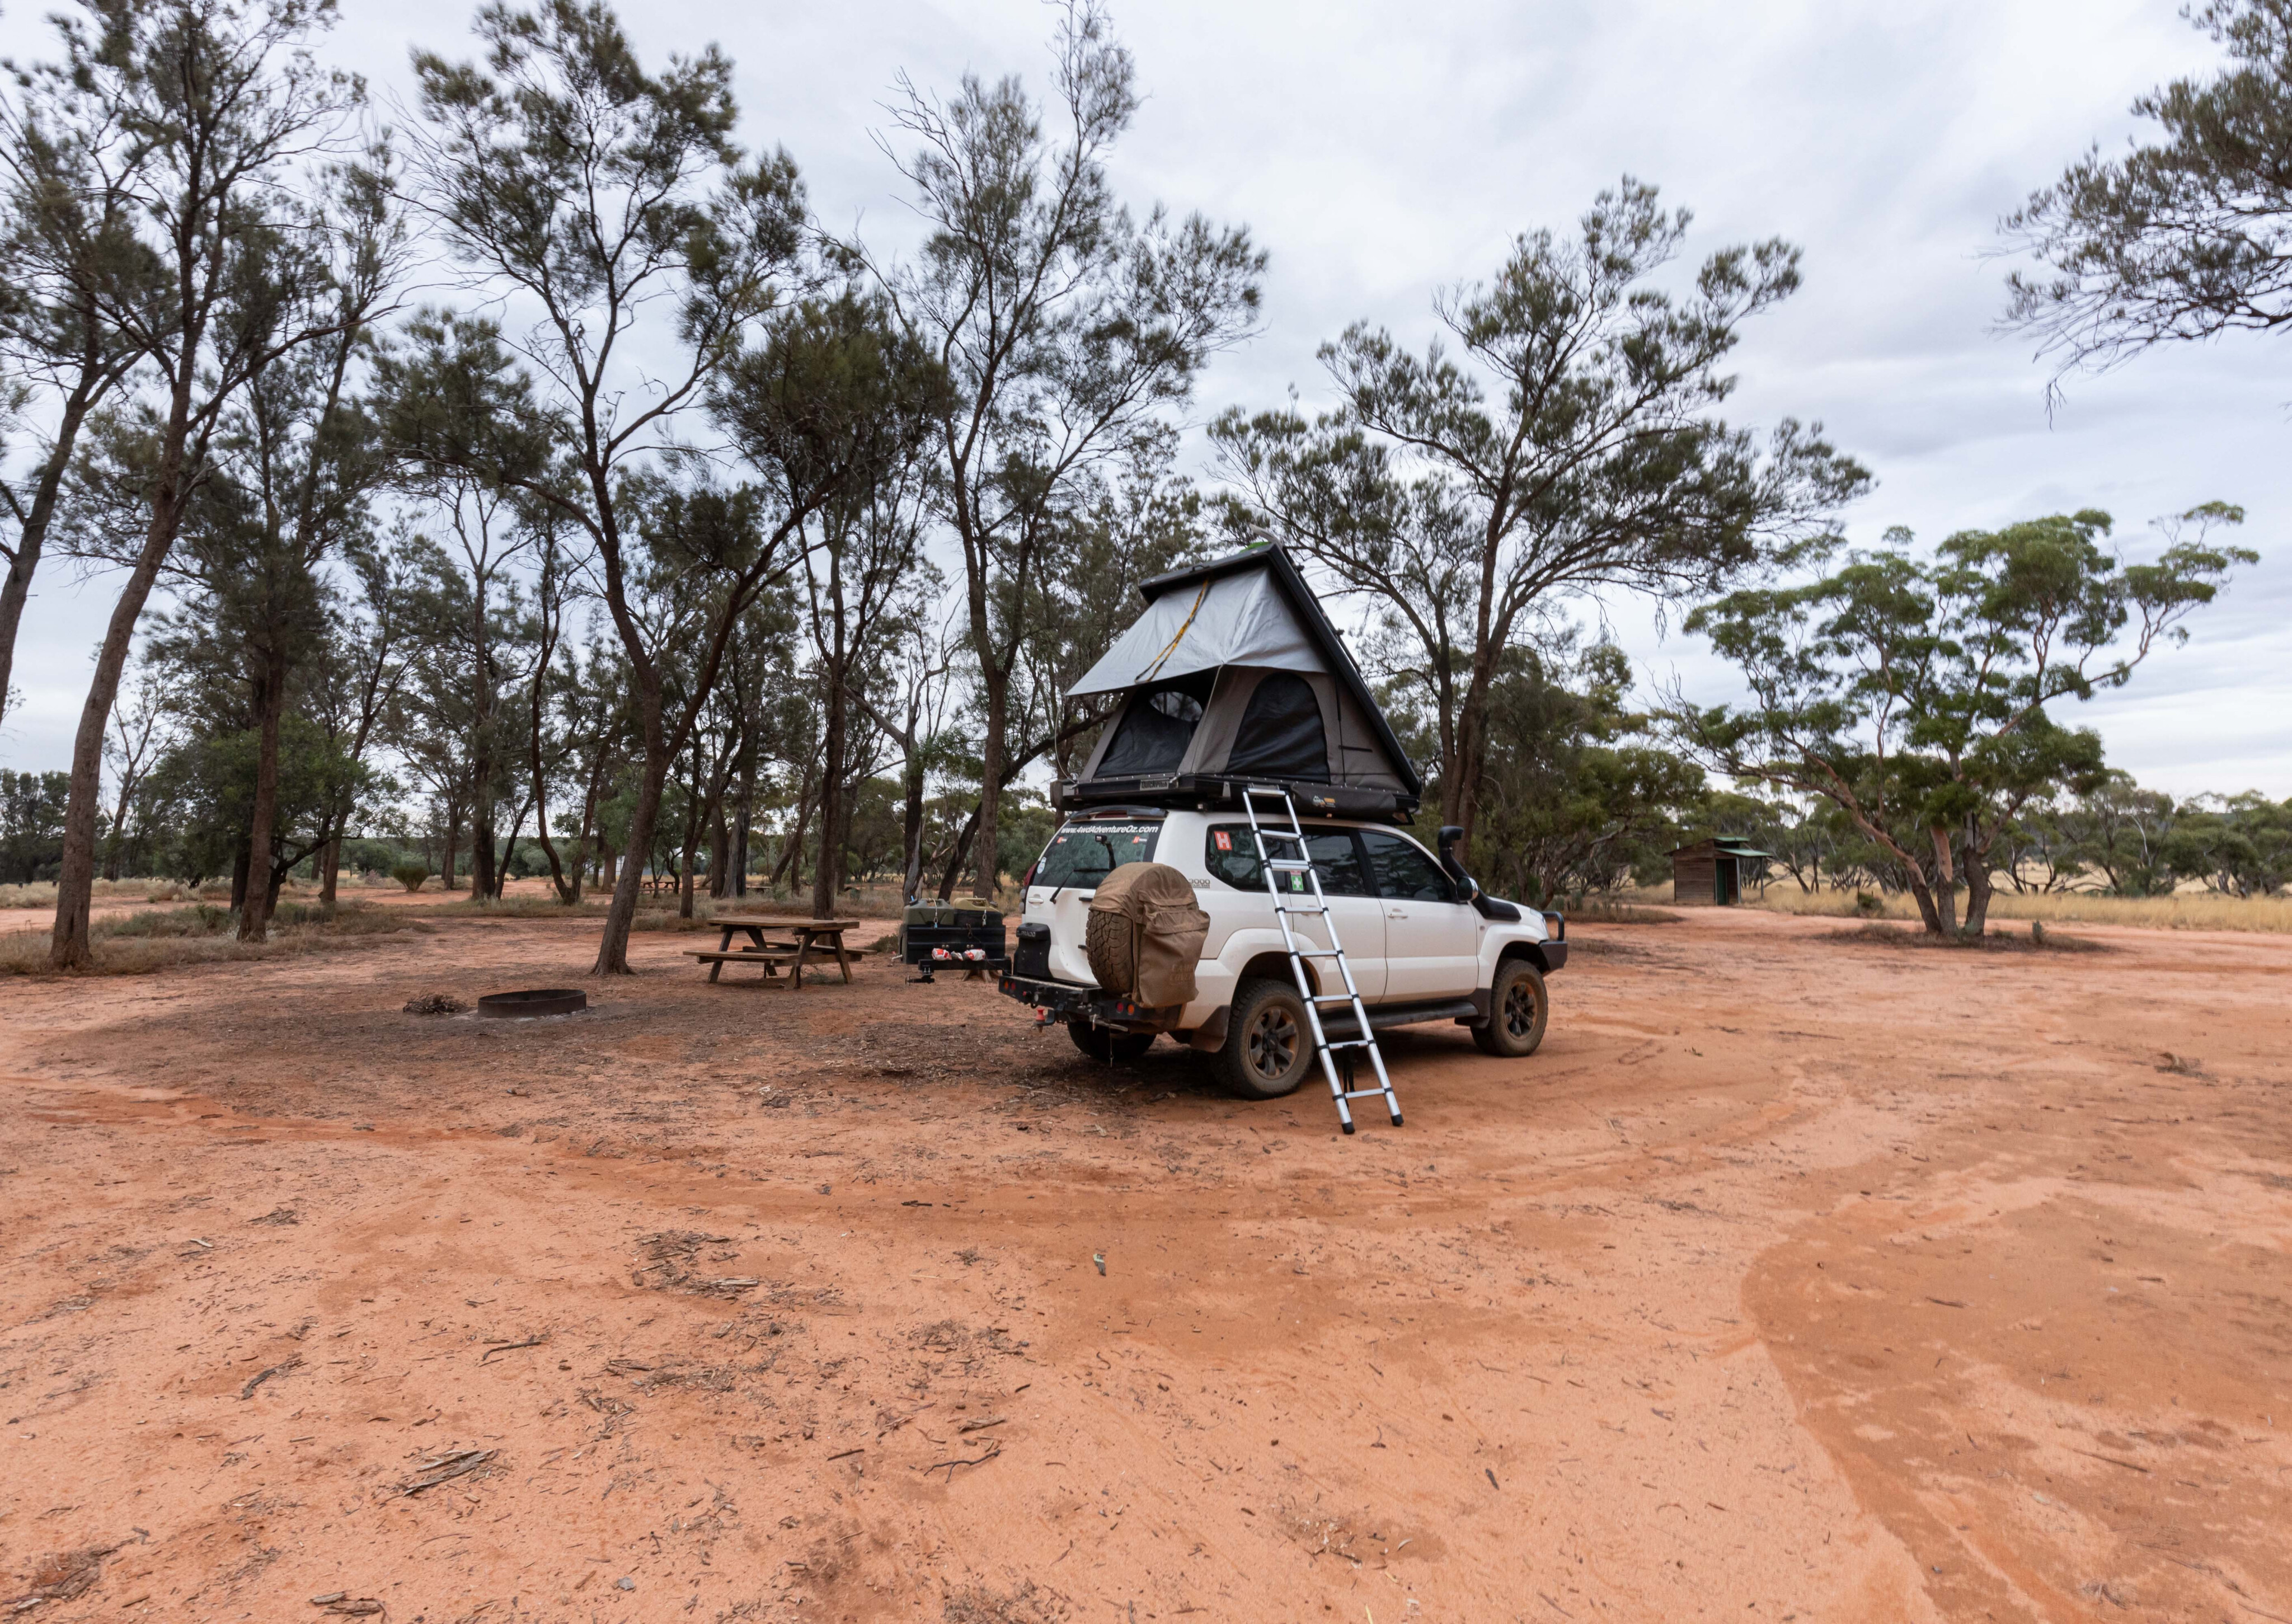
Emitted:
<point x="1715" y="871"/>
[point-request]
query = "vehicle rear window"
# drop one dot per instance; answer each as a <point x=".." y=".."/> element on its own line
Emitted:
<point x="1085" y="852"/>
<point x="1232" y="858"/>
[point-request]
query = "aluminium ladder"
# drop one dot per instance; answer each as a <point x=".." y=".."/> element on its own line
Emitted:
<point x="1313" y="904"/>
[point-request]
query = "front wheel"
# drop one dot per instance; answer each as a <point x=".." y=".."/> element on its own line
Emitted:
<point x="1518" y="1007"/>
<point x="1269" y="1048"/>
<point x="1102" y="1043"/>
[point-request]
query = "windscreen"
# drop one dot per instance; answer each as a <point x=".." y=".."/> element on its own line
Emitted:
<point x="1085" y="852"/>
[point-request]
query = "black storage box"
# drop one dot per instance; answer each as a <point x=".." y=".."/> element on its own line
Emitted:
<point x="1033" y="956"/>
<point x="928" y="925"/>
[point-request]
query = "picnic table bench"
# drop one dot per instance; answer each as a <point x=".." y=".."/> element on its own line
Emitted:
<point x="815" y="940"/>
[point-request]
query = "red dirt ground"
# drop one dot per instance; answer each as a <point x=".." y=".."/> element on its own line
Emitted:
<point x="1799" y="1277"/>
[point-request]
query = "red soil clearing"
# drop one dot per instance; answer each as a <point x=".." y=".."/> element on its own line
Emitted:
<point x="1798" y="1277"/>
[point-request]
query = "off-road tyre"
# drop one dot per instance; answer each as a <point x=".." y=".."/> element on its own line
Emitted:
<point x="1268" y="1047"/>
<point x="1104" y="1044"/>
<point x="1518" y="1007"/>
<point x="1109" y="950"/>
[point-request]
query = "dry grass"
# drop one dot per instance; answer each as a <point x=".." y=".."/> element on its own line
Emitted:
<point x="2037" y="939"/>
<point x="1615" y="911"/>
<point x="43" y="894"/>
<point x="2188" y="911"/>
<point x="151" y="939"/>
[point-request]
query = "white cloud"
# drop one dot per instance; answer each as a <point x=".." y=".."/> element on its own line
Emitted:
<point x="1379" y="152"/>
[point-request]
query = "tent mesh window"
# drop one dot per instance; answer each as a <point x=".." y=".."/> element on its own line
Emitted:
<point x="1155" y="729"/>
<point x="1281" y="734"/>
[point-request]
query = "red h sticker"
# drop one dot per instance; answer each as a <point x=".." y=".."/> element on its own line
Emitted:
<point x="1225" y="840"/>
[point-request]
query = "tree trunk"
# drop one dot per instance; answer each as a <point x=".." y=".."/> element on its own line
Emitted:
<point x="239" y="869"/>
<point x="68" y="946"/>
<point x="827" y="879"/>
<point x="613" y="946"/>
<point x="1460" y="777"/>
<point x="116" y="836"/>
<point x="741" y="816"/>
<point x="453" y="843"/>
<point x="955" y="861"/>
<point x="990" y="777"/>
<point x="1945" y="885"/>
<point x="16" y="590"/>
<point x="330" y="864"/>
<point x="720" y="856"/>
<point x="791" y="858"/>
<point x="912" y="827"/>
<point x="509" y="851"/>
<point x="481" y="837"/>
<point x="541" y="806"/>
<point x="1978" y="889"/>
<point x="695" y="812"/>
<point x="262" y="826"/>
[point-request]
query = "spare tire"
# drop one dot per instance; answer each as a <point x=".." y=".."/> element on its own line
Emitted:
<point x="1144" y="936"/>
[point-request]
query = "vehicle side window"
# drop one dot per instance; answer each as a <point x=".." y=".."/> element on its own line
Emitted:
<point x="1403" y="870"/>
<point x="1232" y="858"/>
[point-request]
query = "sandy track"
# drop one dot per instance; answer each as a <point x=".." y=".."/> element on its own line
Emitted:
<point x="1787" y="1282"/>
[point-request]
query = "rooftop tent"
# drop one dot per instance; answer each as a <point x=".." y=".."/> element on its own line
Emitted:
<point x="1233" y="674"/>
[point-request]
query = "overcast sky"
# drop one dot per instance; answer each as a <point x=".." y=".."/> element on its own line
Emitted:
<point x="1379" y="152"/>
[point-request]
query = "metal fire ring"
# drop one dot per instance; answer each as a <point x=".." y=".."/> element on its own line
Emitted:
<point x="535" y="1001"/>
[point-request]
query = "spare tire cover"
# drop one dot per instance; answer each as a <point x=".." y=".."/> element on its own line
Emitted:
<point x="1144" y="934"/>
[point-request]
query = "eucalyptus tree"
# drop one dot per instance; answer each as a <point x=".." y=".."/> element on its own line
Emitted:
<point x="1913" y="694"/>
<point x="143" y="730"/>
<point x="358" y="682"/>
<point x="861" y="546"/>
<point x="225" y="106"/>
<point x="555" y="587"/>
<point x="915" y="711"/>
<point x="1571" y="444"/>
<point x="478" y="642"/>
<point x="613" y="207"/>
<point x="69" y="250"/>
<point x="2189" y="234"/>
<point x="1069" y="331"/>
<point x="1131" y="522"/>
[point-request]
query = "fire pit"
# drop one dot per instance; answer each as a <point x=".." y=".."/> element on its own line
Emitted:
<point x="535" y="1001"/>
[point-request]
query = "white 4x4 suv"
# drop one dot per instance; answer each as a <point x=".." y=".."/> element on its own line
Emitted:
<point x="1422" y="942"/>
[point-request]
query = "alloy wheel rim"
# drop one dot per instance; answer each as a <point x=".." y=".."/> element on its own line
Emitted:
<point x="1519" y="1013"/>
<point x="1272" y="1043"/>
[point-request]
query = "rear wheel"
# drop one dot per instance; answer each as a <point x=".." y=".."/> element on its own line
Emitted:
<point x="1269" y="1048"/>
<point x="1518" y="1007"/>
<point x="1103" y="1043"/>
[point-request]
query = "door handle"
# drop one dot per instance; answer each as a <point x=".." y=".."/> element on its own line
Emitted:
<point x="1396" y="913"/>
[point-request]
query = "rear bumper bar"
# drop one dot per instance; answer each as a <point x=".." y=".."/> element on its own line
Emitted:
<point x="1065" y="1001"/>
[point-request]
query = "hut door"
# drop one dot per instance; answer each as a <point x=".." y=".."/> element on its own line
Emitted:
<point x="1726" y="883"/>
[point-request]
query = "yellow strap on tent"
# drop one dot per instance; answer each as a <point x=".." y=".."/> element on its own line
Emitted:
<point x="1154" y="666"/>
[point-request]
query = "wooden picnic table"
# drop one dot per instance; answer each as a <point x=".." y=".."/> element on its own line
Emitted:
<point x="809" y="934"/>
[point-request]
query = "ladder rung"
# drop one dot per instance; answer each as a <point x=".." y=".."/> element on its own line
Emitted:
<point x="1288" y="864"/>
<point x="1364" y="1093"/>
<point x="1349" y="1043"/>
<point x="1332" y="997"/>
<point x="1318" y="953"/>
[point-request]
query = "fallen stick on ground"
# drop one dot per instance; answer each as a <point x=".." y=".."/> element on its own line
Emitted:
<point x="993" y="1449"/>
<point x="446" y="1467"/>
<point x="511" y="1347"/>
<point x="261" y="1377"/>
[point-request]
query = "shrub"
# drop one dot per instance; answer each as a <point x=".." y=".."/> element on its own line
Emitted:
<point x="410" y="874"/>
